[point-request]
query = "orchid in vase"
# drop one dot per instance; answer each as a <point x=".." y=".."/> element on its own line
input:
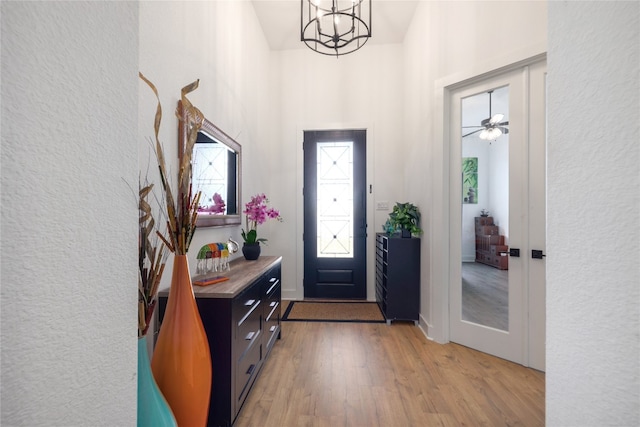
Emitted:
<point x="257" y="212"/>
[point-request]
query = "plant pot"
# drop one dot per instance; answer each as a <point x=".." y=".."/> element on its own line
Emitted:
<point x="251" y="251"/>
<point x="405" y="233"/>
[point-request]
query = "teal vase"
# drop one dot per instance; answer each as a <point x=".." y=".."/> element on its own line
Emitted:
<point x="153" y="410"/>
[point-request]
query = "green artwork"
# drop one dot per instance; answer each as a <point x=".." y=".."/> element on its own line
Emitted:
<point x="470" y="180"/>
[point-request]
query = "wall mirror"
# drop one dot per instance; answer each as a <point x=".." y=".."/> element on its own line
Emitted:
<point x="217" y="173"/>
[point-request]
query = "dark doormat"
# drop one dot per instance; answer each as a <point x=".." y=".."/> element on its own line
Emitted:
<point x="329" y="311"/>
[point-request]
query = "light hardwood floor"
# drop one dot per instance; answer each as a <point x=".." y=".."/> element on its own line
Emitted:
<point x="375" y="375"/>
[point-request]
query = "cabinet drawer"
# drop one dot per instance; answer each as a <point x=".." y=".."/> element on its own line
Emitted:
<point x="272" y="288"/>
<point x="249" y="329"/>
<point x="379" y="257"/>
<point x="490" y="230"/>
<point x="273" y="315"/>
<point x="271" y="327"/>
<point x="484" y="220"/>
<point x="379" y="277"/>
<point x="381" y="293"/>
<point x="244" y="303"/>
<point x="247" y="368"/>
<point x="498" y="249"/>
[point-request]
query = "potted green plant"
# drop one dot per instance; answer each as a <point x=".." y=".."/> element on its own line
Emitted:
<point x="405" y="217"/>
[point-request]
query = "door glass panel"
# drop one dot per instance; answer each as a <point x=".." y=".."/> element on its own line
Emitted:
<point x="485" y="208"/>
<point x="335" y="199"/>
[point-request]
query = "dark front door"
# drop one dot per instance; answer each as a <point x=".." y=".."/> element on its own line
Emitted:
<point x="335" y="224"/>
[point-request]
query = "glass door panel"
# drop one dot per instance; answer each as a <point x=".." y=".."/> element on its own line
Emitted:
<point x="335" y="199"/>
<point x="485" y="208"/>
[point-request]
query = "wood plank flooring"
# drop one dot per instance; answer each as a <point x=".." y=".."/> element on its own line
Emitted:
<point x="485" y="295"/>
<point x="378" y="375"/>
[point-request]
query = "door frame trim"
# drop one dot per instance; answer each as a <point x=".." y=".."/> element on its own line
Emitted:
<point x="439" y="247"/>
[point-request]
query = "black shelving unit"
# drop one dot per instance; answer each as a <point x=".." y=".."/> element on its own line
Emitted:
<point x="398" y="277"/>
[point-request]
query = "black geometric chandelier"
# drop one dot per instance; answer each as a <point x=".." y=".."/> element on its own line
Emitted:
<point x="335" y="27"/>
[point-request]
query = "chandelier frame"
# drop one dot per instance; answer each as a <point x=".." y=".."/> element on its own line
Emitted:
<point x="337" y="29"/>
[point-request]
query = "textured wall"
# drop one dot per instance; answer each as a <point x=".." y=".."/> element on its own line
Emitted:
<point x="593" y="249"/>
<point x="69" y="220"/>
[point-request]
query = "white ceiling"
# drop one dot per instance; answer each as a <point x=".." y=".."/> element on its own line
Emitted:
<point x="280" y="20"/>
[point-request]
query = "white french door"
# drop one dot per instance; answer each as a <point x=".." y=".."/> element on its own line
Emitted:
<point x="496" y="293"/>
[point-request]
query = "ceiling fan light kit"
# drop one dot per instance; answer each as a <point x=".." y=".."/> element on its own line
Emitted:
<point x="492" y="127"/>
<point x="335" y="27"/>
<point x="490" y="134"/>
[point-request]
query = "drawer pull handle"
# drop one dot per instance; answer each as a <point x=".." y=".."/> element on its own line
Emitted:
<point x="273" y="279"/>
<point x="273" y="286"/>
<point x="249" y="302"/>
<point x="272" y="329"/>
<point x="273" y="304"/>
<point x="272" y="311"/>
<point x="249" y="312"/>
<point x="249" y="336"/>
<point x="250" y="370"/>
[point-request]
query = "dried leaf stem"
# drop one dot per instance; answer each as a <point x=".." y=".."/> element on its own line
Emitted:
<point x="183" y="208"/>
<point x="181" y="211"/>
<point x="152" y="256"/>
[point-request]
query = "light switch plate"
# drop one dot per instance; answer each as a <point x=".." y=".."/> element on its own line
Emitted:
<point x="382" y="206"/>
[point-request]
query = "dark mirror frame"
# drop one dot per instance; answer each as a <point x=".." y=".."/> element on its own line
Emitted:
<point x="211" y="130"/>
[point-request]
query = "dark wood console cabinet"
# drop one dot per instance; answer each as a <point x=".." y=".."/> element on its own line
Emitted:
<point x="398" y="277"/>
<point x="242" y="319"/>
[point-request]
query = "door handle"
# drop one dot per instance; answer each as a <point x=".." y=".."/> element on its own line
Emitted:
<point x="537" y="254"/>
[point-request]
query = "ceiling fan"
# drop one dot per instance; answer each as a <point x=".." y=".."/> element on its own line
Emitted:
<point x="492" y="127"/>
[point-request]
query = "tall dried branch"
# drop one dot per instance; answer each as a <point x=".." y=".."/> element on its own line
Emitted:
<point x="182" y="207"/>
<point x="152" y="255"/>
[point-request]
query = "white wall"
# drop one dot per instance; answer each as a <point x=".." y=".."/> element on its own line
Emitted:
<point x="593" y="249"/>
<point x="184" y="41"/>
<point x="448" y="42"/>
<point x="69" y="217"/>
<point x="499" y="184"/>
<point x="361" y="90"/>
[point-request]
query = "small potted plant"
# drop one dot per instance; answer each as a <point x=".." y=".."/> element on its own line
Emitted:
<point x="257" y="212"/>
<point x="405" y="217"/>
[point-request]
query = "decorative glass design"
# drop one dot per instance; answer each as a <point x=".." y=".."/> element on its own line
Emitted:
<point x="210" y="171"/>
<point x="335" y="199"/>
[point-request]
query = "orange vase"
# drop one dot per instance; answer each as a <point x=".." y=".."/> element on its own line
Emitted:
<point x="181" y="361"/>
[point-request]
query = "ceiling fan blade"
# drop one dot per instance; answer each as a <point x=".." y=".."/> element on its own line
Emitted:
<point x="471" y="133"/>
<point x="463" y="127"/>
<point x="496" y="119"/>
<point x="503" y="129"/>
<point x="502" y="124"/>
<point x="485" y="122"/>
